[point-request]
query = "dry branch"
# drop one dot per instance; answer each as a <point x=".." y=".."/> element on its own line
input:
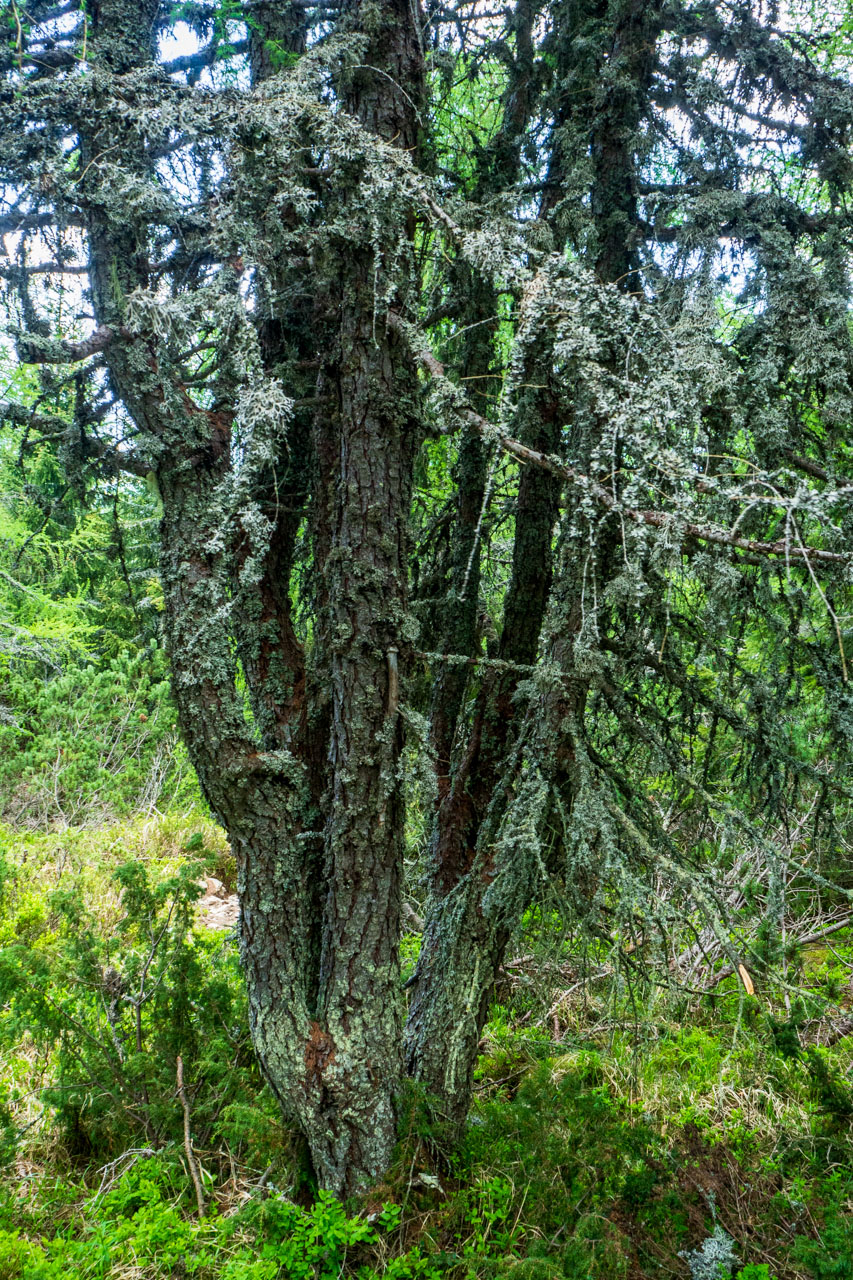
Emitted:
<point x="188" y="1143"/>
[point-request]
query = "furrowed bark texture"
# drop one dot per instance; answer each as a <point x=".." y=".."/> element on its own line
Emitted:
<point x="483" y="875"/>
<point x="261" y="246"/>
<point x="366" y="587"/>
<point x="343" y="1081"/>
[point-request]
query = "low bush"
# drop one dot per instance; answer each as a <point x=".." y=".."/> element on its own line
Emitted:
<point x="109" y="1010"/>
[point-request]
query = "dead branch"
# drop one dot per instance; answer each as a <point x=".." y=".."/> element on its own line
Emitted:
<point x="188" y="1143"/>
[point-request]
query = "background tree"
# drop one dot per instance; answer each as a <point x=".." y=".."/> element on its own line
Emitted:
<point x="492" y="369"/>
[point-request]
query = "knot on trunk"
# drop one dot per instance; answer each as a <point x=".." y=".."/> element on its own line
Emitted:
<point x="319" y="1053"/>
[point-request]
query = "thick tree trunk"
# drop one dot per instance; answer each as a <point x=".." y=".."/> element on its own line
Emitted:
<point x="322" y="971"/>
<point x="357" y="1030"/>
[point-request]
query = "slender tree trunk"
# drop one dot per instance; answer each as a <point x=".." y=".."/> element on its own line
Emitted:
<point x="484" y="871"/>
<point x="486" y="868"/>
<point x="458" y="633"/>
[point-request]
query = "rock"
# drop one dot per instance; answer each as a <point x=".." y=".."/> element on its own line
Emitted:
<point x="217" y="909"/>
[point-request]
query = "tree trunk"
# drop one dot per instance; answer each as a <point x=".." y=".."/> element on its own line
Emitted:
<point x="484" y="865"/>
<point x="358" y="1018"/>
<point x="486" y="868"/>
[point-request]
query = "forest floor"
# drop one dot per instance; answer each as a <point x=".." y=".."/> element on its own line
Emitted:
<point x="621" y="1127"/>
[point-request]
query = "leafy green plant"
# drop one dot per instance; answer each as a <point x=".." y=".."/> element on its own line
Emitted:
<point x="138" y="1223"/>
<point x="488" y="1209"/>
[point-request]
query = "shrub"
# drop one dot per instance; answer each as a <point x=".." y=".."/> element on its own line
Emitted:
<point x="112" y="1009"/>
<point x="90" y="741"/>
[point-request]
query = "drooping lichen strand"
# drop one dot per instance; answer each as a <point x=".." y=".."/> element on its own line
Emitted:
<point x="530" y="328"/>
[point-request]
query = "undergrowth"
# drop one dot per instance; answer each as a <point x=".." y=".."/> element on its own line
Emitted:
<point x="638" y="1137"/>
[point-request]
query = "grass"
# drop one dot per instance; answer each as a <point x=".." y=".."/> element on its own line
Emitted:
<point x="633" y="1138"/>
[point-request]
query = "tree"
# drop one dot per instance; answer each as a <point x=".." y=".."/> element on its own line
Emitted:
<point x="492" y="368"/>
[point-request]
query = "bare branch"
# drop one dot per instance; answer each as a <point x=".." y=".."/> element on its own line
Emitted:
<point x="204" y="57"/>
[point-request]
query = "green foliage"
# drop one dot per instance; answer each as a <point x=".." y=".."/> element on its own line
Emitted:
<point x="830" y="1258"/>
<point x="572" y="1151"/>
<point x="112" y="1009"/>
<point x="562" y="1174"/>
<point x="832" y="1093"/>
<point x="87" y="726"/>
<point x="323" y="1242"/>
<point x="139" y="1222"/>
<point x="585" y="1165"/>
<point x="76" y="567"/>
<point x="786" y="1032"/>
<point x="91" y="741"/>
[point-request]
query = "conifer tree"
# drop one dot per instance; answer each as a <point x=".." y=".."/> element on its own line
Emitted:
<point x="492" y="368"/>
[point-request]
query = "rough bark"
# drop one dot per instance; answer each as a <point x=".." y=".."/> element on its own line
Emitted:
<point x="483" y="877"/>
<point x="331" y="1043"/>
<point x="355" y="1035"/>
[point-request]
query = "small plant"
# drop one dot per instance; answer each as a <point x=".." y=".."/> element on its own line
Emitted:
<point x="832" y="1094"/>
<point x="488" y="1210"/>
<point x="325" y="1243"/>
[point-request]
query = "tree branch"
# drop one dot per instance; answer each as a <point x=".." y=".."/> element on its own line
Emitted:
<point x="204" y="57"/>
<point x="33" y="349"/>
<point x="655" y="519"/>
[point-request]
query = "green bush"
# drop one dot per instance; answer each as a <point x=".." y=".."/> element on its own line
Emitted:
<point x="830" y="1256"/>
<point x="111" y="1009"/>
<point x="90" y="741"/>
